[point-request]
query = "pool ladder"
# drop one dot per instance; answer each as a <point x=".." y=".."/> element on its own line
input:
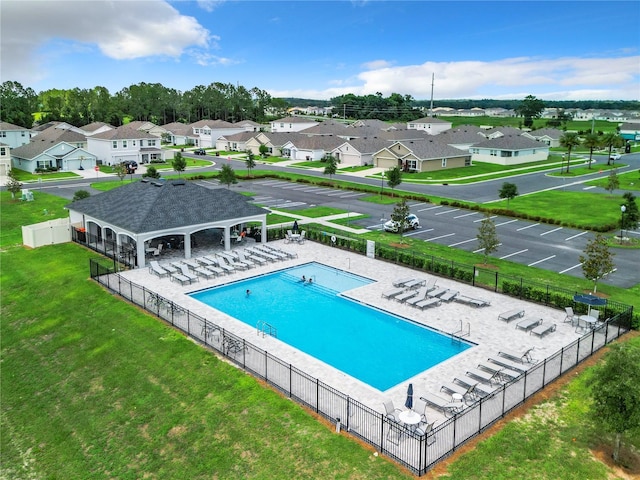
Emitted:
<point x="263" y="328"/>
<point x="460" y="332"/>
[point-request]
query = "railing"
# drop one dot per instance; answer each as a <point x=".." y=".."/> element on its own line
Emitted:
<point x="415" y="452"/>
<point x="265" y="328"/>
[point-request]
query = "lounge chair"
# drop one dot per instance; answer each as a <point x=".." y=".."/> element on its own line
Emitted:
<point x="418" y="282"/>
<point x="156" y="269"/>
<point x="542" y="330"/>
<point x="216" y="264"/>
<point x="254" y="258"/>
<point x="506" y="373"/>
<point x="436" y="293"/>
<point x="223" y="263"/>
<point x="519" y="357"/>
<point x="234" y="263"/>
<point x="191" y="263"/>
<point x="178" y="277"/>
<point x="245" y="260"/>
<point x="419" y="296"/>
<point x="505" y="362"/>
<point x="184" y="270"/>
<point x="205" y="272"/>
<point x="442" y="404"/>
<point x="392" y="293"/>
<point x="475" y="390"/>
<point x="474" y="302"/>
<point x="469" y="395"/>
<point x="449" y="295"/>
<point x="511" y="315"/>
<point x="429" y="302"/>
<point x="406" y="295"/>
<point x="484" y="376"/>
<point x="262" y="253"/>
<point x="528" y="323"/>
<point x="401" y="281"/>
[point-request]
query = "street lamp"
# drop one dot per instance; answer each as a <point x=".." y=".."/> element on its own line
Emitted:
<point x="623" y="209"/>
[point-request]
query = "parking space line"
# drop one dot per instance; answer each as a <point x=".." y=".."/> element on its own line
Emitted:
<point x="540" y="261"/>
<point x="505" y="223"/>
<point x="335" y="194"/>
<point x="551" y="231"/>
<point x="589" y="188"/>
<point x="577" y="235"/>
<point x="430" y="208"/>
<point x="288" y="205"/>
<point x="448" y="211"/>
<point x="481" y="219"/>
<point x="528" y="226"/>
<point x="416" y="232"/>
<point x="353" y="194"/>
<point x="570" y="268"/>
<point x="441" y="236"/>
<point x="464" y="241"/>
<point x="514" y="253"/>
<point x="466" y="215"/>
<point x="417" y="204"/>
<point x="482" y="249"/>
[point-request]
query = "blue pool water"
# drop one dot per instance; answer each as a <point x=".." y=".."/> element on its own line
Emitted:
<point x="373" y="346"/>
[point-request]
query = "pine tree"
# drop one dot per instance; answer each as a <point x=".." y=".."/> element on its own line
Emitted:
<point x="179" y="163"/>
<point x="227" y="175"/>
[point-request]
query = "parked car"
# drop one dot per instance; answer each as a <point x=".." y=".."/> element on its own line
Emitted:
<point x="200" y="151"/>
<point x="412" y="222"/>
<point x="615" y="156"/>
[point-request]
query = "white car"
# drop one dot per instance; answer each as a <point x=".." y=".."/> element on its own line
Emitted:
<point x="615" y="156"/>
<point x="393" y="226"/>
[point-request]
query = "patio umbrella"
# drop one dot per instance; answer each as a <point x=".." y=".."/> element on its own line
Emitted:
<point x="591" y="300"/>
<point x="409" y="402"/>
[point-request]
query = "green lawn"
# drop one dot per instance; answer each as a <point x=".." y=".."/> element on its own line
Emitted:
<point x="600" y="125"/>
<point x="92" y="387"/>
<point x="27" y="177"/>
<point x="629" y="181"/>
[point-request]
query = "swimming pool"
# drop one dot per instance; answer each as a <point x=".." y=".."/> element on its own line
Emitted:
<point x="374" y="346"/>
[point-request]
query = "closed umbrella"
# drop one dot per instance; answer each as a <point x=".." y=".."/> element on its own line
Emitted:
<point x="409" y="402"/>
<point x="590" y="300"/>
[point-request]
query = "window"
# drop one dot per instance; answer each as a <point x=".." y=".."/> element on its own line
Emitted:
<point x="155" y="156"/>
<point x="141" y="143"/>
<point x="151" y="143"/>
<point x="124" y="144"/>
<point x="23" y="134"/>
<point x="467" y="162"/>
<point x="3" y="134"/>
<point x="114" y="144"/>
<point x="505" y="153"/>
<point x="412" y="165"/>
<point x="515" y="154"/>
<point x="3" y="151"/>
<point x="44" y="164"/>
<point x="444" y="163"/>
<point x="493" y="153"/>
<point x="475" y="150"/>
<point x="134" y="142"/>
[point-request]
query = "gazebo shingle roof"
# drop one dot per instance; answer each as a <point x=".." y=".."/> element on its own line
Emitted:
<point x="141" y="207"/>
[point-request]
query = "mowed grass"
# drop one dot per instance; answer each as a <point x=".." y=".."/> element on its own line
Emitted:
<point x="92" y="387"/>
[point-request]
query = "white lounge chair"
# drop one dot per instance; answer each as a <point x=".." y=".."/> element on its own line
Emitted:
<point x="419" y="296"/>
<point x="518" y="357"/>
<point x="449" y="295"/>
<point x="542" y="330"/>
<point x="205" y="272"/>
<point x="429" y="302"/>
<point x="511" y="314"/>
<point x="401" y="281"/>
<point x="392" y="293"/>
<point x="184" y="270"/>
<point x="442" y="404"/>
<point x="156" y="269"/>
<point x="528" y="323"/>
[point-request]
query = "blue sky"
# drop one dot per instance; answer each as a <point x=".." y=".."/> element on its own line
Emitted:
<point x="506" y="49"/>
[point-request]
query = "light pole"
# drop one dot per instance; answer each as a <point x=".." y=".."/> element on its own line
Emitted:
<point x="623" y="209"/>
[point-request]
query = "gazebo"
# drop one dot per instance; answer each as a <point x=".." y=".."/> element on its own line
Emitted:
<point x="138" y="214"/>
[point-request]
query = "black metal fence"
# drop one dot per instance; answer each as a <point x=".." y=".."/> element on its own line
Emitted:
<point x="120" y="254"/>
<point x="418" y="453"/>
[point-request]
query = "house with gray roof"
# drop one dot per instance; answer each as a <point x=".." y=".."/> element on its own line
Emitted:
<point x="509" y="150"/>
<point x="234" y="143"/>
<point x="358" y="151"/>
<point x="462" y="137"/>
<point x="273" y="141"/>
<point x="205" y="133"/>
<point x="427" y="155"/>
<point x="96" y="127"/>
<point x="312" y="148"/>
<point x="178" y="133"/>
<point x="14" y="135"/>
<point x="54" y="149"/>
<point x="431" y="125"/>
<point x="291" y="124"/>
<point x="501" y="132"/>
<point x="115" y="146"/>
<point x="550" y="136"/>
<point x="140" y="215"/>
<point x="630" y="131"/>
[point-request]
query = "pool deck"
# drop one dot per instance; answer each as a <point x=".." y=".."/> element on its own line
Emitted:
<point x="489" y="333"/>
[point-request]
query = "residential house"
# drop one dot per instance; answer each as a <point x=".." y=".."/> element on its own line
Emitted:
<point x="550" y="136"/>
<point x="310" y="148"/>
<point x="248" y="125"/>
<point x="236" y="142"/>
<point x="13" y="135"/>
<point x="125" y="143"/>
<point x="358" y="151"/>
<point x="430" y="154"/>
<point x="54" y="148"/>
<point x="462" y="137"/>
<point x="96" y="127"/>
<point x="5" y="159"/>
<point x="205" y="133"/>
<point x="431" y="125"/>
<point x="291" y="124"/>
<point x="509" y="150"/>
<point x="501" y="132"/>
<point x="177" y="133"/>
<point x="273" y="141"/>
<point x="148" y="127"/>
<point x="630" y="131"/>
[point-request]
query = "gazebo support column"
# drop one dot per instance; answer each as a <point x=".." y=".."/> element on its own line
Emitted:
<point x="187" y="245"/>
<point x="140" y="253"/>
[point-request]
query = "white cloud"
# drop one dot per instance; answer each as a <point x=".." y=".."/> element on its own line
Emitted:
<point x="121" y="30"/>
<point x="572" y="78"/>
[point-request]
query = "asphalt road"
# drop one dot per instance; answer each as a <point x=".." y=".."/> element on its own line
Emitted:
<point x="544" y="246"/>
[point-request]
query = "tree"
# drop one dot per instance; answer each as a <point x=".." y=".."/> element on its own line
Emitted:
<point x="568" y="141"/>
<point x="250" y="162"/>
<point x="13" y="184"/>
<point x="611" y="140"/>
<point x="591" y="141"/>
<point x="179" y="163"/>
<point x="332" y="165"/>
<point x="508" y="191"/>
<point x="80" y="195"/>
<point x="227" y="175"/>
<point x="487" y="236"/>
<point x="629" y="220"/>
<point x="399" y="215"/>
<point x="120" y="170"/>
<point x="615" y="391"/>
<point x="597" y="260"/>
<point x="530" y="108"/>
<point x="18" y="104"/>
<point x="264" y="150"/>
<point x="613" y="182"/>
<point x="394" y="177"/>
<point x="152" y="172"/>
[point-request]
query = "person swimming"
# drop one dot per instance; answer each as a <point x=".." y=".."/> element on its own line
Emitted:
<point x="303" y="279"/>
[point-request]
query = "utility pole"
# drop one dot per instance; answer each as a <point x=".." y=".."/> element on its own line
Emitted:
<point x="344" y="111"/>
<point x="431" y="106"/>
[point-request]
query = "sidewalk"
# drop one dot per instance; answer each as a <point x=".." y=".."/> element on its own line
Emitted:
<point x="326" y="221"/>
